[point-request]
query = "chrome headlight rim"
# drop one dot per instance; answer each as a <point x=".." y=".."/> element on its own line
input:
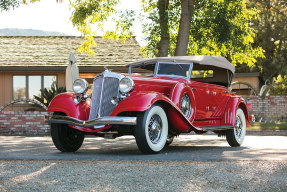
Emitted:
<point x="126" y="87"/>
<point x="80" y="86"/>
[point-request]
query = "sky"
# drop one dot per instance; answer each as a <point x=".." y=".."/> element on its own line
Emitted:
<point x="48" y="15"/>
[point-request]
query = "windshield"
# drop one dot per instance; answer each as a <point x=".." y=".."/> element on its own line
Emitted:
<point x="173" y="69"/>
<point x="145" y="70"/>
<point x="169" y="69"/>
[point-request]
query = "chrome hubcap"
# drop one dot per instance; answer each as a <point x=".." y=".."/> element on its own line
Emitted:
<point x="155" y="129"/>
<point x="238" y="127"/>
<point x="185" y="105"/>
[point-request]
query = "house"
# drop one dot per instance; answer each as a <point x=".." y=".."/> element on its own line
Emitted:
<point x="28" y="64"/>
<point x="246" y="83"/>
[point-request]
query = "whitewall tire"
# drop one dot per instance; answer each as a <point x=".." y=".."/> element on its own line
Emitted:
<point x="151" y="130"/>
<point x="236" y="136"/>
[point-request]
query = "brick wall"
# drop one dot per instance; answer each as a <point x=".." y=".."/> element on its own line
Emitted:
<point x="23" y="123"/>
<point x="32" y="123"/>
<point x="269" y="108"/>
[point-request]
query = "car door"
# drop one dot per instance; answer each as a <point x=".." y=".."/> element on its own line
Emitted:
<point x="218" y="97"/>
<point x="202" y="96"/>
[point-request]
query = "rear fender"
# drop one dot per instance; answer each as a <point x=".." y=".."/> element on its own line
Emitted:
<point x="143" y="101"/>
<point x="230" y="111"/>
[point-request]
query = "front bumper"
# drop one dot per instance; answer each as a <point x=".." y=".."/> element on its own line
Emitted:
<point x="117" y="120"/>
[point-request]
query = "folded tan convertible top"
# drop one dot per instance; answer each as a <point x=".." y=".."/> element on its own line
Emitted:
<point x="220" y="62"/>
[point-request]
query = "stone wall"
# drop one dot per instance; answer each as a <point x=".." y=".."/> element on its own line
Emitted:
<point x="23" y="123"/>
<point x="270" y="108"/>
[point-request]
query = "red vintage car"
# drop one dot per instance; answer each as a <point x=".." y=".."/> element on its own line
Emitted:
<point x="157" y="100"/>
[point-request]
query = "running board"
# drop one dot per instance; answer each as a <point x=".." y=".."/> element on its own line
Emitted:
<point x="217" y="128"/>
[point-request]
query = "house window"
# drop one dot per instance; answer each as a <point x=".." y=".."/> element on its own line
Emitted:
<point x="26" y="86"/>
<point x="19" y="87"/>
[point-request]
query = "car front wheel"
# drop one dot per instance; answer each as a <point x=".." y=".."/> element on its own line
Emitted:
<point x="66" y="139"/>
<point x="236" y="136"/>
<point x="151" y="130"/>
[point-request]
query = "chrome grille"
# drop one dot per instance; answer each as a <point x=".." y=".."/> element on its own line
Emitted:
<point x="110" y="91"/>
<point x="104" y="89"/>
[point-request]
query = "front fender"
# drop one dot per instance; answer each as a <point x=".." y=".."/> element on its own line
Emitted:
<point x="141" y="102"/>
<point x="229" y="117"/>
<point x="65" y="103"/>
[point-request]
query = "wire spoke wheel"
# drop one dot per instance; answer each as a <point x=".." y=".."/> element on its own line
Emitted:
<point x="238" y="126"/>
<point x="155" y="129"/>
<point x="236" y="136"/>
<point x="151" y="130"/>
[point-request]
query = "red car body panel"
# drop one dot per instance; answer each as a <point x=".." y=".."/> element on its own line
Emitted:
<point x="211" y="104"/>
<point x="230" y="111"/>
<point x="144" y="100"/>
<point x="65" y="103"/>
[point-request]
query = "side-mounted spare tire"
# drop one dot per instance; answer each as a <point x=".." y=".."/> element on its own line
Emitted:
<point x="151" y="130"/>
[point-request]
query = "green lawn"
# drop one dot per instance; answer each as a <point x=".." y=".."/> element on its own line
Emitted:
<point x="268" y="126"/>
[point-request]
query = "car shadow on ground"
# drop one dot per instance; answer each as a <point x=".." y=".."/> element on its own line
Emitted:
<point x="125" y="148"/>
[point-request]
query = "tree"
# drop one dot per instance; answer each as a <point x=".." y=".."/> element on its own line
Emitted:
<point x="163" y="44"/>
<point x="175" y="27"/>
<point x="271" y="35"/>
<point x="215" y="28"/>
<point x="6" y="5"/>
<point x="184" y="27"/>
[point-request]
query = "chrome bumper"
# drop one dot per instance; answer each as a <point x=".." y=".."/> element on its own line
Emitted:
<point x="99" y="121"/>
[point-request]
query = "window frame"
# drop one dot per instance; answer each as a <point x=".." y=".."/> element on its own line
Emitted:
<point x="27" y="82"/>
<point x="174" y="63"/>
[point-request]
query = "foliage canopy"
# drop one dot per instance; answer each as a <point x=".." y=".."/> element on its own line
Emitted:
<point x="217" y="27"/>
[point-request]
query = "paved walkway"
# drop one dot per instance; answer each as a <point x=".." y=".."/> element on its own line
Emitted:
<point x="185" y="147"/>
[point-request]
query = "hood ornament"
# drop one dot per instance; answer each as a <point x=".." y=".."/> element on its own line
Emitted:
<point x="106" y="68"/>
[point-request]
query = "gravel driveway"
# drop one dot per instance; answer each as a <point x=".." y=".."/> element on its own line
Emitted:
<point x="143" y="176"/>
<point x="191" y="163"/>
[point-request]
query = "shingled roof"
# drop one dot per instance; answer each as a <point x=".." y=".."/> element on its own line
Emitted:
<point x="53" y="52"/>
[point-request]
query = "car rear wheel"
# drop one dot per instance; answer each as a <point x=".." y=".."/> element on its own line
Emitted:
<point x="236" y="136"/>
<point x="151" y="130"/>
<point x="66" y="139"/>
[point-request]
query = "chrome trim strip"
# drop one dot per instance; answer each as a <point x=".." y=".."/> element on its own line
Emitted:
<point x="116" y="120"/>
<point x="156" y="69"/>
<point x="100" y="104"/>
<point x="173" y="90"/>
<point x="217" y="128"/>
<point x="228" y="115"/>
<point x="189" y="71"/>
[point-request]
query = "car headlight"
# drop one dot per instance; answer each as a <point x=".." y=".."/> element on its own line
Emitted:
<point x="80" y="86"/>
<point x="126" y="85"/>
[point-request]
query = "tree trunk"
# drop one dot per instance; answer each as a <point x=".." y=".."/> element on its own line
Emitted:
<point x="184" y="27"/>
<point x="163" y="44"/>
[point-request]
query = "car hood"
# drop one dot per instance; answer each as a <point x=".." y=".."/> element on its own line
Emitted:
<point x="155" y="84"/>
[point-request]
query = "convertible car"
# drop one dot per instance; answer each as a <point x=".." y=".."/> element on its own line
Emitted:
<point x="157" y="100"/>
